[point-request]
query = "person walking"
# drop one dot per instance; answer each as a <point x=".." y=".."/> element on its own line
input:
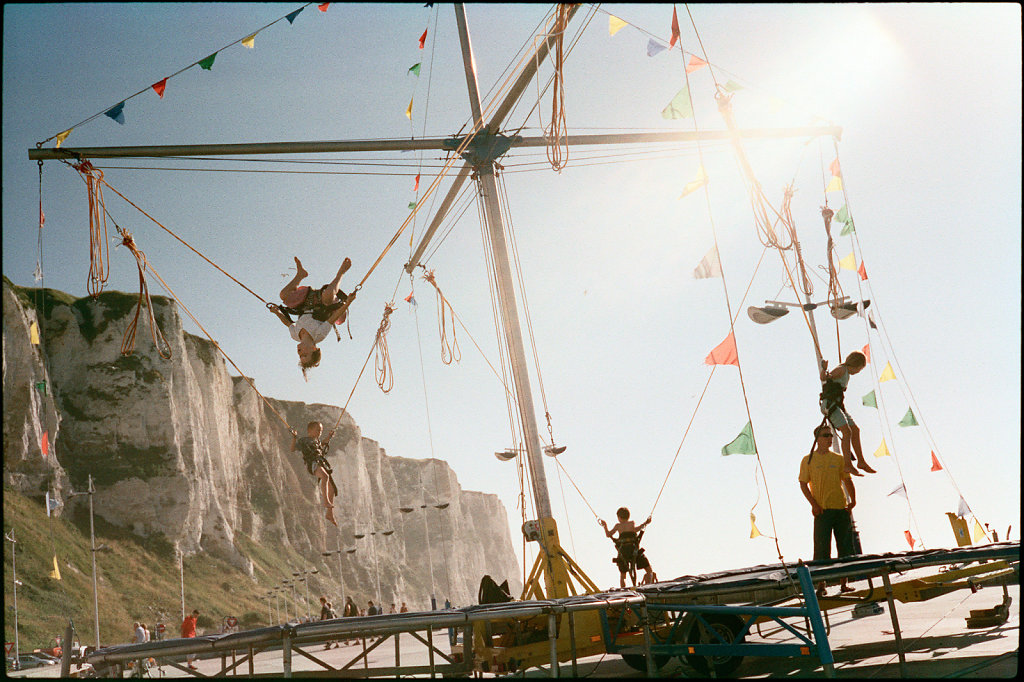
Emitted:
<point x="188" y="630"/>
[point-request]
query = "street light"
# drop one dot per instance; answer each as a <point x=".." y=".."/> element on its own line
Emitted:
<point x="14" y="568"/>
<point x="305" y="580"/>
<point x="373" y="546"/>
<point x="92" y="545"/>
<point x="341" y="574"/>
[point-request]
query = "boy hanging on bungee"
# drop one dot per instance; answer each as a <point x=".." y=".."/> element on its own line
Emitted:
<point x="833" y="389"/>
<point x="628" y="546"/>
<point x="314" y="455"/>
<point x="316" y="310"/>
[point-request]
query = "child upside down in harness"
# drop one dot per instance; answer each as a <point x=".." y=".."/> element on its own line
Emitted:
<point x="628" y="544"/>
<point x="314" y="455"/>
<point x="317" y="310"/>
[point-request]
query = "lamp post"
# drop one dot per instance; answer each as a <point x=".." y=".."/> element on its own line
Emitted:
<point x="181" y="580"/>
<point x="92" y="545"/>
<point x="305" y="580"/>
<point x="373" y="548"/>
<point x="295" y="602"/>
<point x="14" y="568"/>
<point x="341" y="575"/>
<point x="430" y="556"/>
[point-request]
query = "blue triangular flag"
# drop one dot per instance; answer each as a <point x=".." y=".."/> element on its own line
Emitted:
<point x="654" y="47"/>
<point x="116" y="113"/>
<point x="291" y="17"/>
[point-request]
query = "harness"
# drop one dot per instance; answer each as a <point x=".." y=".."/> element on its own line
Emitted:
<point x="832" y="395"/>
<point x="628" y="546"/>
<point x="313" y="305"/>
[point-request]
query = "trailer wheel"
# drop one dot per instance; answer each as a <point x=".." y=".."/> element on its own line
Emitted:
<point x="727" y="627"/>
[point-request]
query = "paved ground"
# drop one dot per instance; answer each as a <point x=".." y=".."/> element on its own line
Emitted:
<point x="935" y="639"/>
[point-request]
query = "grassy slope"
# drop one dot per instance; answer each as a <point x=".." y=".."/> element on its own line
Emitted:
<point x="137" y="579"/>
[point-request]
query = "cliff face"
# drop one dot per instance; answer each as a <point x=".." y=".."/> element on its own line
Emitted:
<point x="180" y="448"/>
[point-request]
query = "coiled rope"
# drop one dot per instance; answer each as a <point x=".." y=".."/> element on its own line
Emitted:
<point x="128" y="342"/>
<point x="99" y="241"/>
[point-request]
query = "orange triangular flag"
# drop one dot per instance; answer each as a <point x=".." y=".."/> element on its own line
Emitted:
<point x="910" y="538"/>
<point x="675" y="28"/>
<point x="834" y="167"/>
<point x="159" y="87"/>
<point x="935" y="463"/>
<point x="423" y="38"/>
<point x="724" y="353"/>
<point x="861" y="271"/>
<point x="695" y="63"/>
<point x="45" y="444"/>
<point x="408" y="111"/>
<point x="416" y="187"/>
<point x="866" y="350"/>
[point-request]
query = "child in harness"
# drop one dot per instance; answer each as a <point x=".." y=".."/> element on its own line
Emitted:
<point x="316" y="310"/>
<point x="314" y="456"/>
<point x="833" y="390"/>
<point x="630" y="555"/>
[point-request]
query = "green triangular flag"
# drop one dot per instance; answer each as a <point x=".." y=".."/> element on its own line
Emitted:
<point x="743" y="444"/>
<point x="847" y="228"/>
<point x="679" y="107"/>
<point x="908" y="419"/>
<point x="842" y="215"/>
<point x="41" y="387"/>
<point x="208" y="62"/>
<point x="415" y="68"/>
<point x="412" y="205"/>
<point x="732" y="86"/>
<point x="869" y="400"/>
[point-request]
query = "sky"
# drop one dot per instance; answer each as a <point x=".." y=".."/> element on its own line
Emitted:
<point x="929" y="101"/>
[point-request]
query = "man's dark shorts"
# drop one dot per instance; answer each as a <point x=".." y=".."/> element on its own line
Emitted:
<point x="642" y="564"/>
<point x="829" y="522"/>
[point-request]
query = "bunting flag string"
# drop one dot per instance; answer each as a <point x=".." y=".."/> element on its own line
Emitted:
<point x="709" y="266"/>
<point x="743" y="444"/>
<point x="116" y="112"/>
<point x="679" y="107"/>
<point x="887" y="374"/>
<point x="724" y="353"/>
<point x="695" y="63"/>
<point x="908" y="419"/>
<point x="694" y="185"/>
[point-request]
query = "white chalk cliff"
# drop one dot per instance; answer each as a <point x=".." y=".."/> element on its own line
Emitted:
<point x="180" y="448"/>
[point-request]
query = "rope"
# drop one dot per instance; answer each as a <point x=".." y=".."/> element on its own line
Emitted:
<point x="128" y="342"/>
<point x="99" y="241"/>
<point x="450" y="351"/>
<point x="382" y="361"/>
<point x="558" y="147"/>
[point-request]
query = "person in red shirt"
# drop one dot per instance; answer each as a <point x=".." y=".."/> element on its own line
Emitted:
<point x="188" y="629"/>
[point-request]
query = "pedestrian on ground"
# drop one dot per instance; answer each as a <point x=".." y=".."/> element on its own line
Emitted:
<point x="188" y="629"/>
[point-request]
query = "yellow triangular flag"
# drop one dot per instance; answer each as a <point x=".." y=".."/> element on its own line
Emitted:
<point x="250" y="42"/>
<point x="887" y="374"/>
<point x="848" y="263"/>
<point x="33" y="333"/>
<point x="835" y="184"/>
<point x="702" y="179"/>
<point x="882" y="450"/>
<point x="615" y="25"/>
<point x="55" y="573"/>
<point x="979" y="532"/>
<point x="754" y="532"/>
<point x="408" y="111"/>
<point x="63" y="136"/>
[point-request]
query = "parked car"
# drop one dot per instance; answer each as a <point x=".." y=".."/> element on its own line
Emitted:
<point x="27" y="661"/>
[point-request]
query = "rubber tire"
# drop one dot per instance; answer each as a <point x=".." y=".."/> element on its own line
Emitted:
<point x="727" y="626"/>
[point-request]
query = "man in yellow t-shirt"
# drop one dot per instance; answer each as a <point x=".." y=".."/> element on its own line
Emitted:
<point x="829" y="488"/>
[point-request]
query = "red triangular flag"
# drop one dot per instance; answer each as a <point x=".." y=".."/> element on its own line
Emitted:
<point x="675" y="28"/>
<point x="408" y="298"/>
<point x="416" y="187"/>
<point x="695" y="63"/>
<point x="423" y="38"/>
<point x="910" y="538"/>
<point x="159" y="87"/>
<point x="45" y="445"/>
<point x="834" y="167"/>
<point x="861" y="271"/>
<point x="866" y="350"/>
<point x="323" y="6"/>
<point x="724" y="353"/>
<point x="935" y="463"/>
